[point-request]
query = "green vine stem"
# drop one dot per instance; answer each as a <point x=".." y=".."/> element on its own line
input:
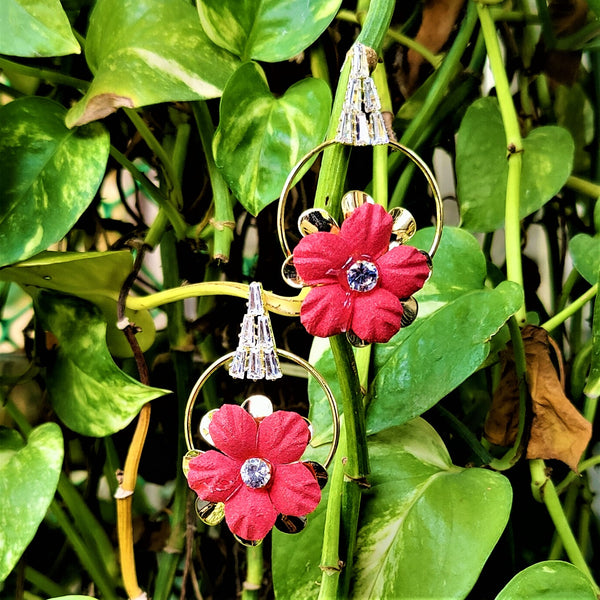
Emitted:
<point x="544" y="490"/>
<point x="514" y="145"/>
<point x="223" y="221"/>
<point x="559" y="318"/>
<point x="254" y="572"/>
<point x="45" y="74"/>
<point x="583" y="186"/>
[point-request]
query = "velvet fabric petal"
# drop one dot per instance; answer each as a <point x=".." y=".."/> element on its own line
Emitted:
<point x="326" y="310"/>
<point x="214" y="476"/>
<point x="367" y="230"/>
<point x="403" y="271"/>
<point x="282" y="437"/>
<point x="377" y="315"/>
<point x="250" y="514"/>
<point x="234" y="432"/>
<point x="318" y="257"/>
<point x="295" y="490"/>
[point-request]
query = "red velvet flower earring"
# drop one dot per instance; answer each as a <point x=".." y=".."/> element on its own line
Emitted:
<point x="362" y="276"/>
<point x="255" y="477"/>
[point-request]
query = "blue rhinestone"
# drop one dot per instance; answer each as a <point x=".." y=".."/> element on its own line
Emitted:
<point x="255" y="473"/>
<point x="362" y="276"/>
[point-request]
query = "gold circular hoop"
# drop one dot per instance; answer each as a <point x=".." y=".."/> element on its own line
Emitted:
<point x="413" y="156"/>
<point x="284" y="354"/>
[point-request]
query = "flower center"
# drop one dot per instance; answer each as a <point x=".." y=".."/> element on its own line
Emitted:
<point x="256" y="473"/>
<point x="362" y="276"/>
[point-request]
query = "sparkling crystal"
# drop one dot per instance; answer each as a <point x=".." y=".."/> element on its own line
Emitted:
<point x="344" y="132"/>
<point x="362" y="276"/>
<point x="255" y="473"/>
<point x="255" y="305"/>
<point x="265" y="337"/>
<point x="380" y="134"/>
<point x="354" y="96"/>
<point x="371" y="97"/>
<point x="238" y="364"/>
<point x="363" y="135"/>
<point x="247" y="331"/>
<point x="272" y="369"/>
<point x="256" y="369"/>
<point x="360" y="65"/>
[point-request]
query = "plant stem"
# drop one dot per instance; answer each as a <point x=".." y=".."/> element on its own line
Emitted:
<point x="45" y="74"/>
<point x="223" y="221"/>
<point x="514" y="144"/>
<point x="583" y="186"/>
<point x="544" y="489"/>
<point x="254" y="572"/>
<point x="570" y="310"/>
<point x="45" y="584"/>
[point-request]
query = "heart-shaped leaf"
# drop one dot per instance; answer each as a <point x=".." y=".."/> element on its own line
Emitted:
<point x="482" y="166"/>
<point x="145" y="52"/>
<point x="426" y="526"/>
<point x="267" y="30"/>
<point x="260" y="137"/>
<point x="585" y="252"/>
<point x="94" y="276"/>
<point x="35" y="28"/>
<point x="548" y="580"/>
<point x="28" y="479"/>
<point x="89" y="393"/>
<point x="50" y="175"/>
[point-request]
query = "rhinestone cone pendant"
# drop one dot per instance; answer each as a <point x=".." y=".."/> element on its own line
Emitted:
<point x="361" y="122"/>
<point x="255" y="356"/>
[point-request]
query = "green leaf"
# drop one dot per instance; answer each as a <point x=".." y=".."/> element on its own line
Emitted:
<point x="145" y="52"/>
<point x="585" y="252"/>
<point x="260" y="137"/>
<point x="482" y="166"/>
<point x="28" y="480"/>
<point x="94" y="276"/>
<point x="50" y="175"/>
<point x="35" y="28"/>
<point x="267" y="30"/>
<point x="427" y="526"/>
<point x="426" y="361"/>
<point x="89" y="393"/>
<point x="548" y="580"/>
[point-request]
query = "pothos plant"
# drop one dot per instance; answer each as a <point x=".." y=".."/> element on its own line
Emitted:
<point x="143" y="146"/>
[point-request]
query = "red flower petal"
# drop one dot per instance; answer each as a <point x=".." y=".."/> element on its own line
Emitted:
<point x="233" y="431"/>
<point x="377" y="315"/>
<point x="319" y="256"/>
<point x="295" y="490"/>
<point x="282" y="437"/>
<point x="326" y="310"/>
<point x="214" y="476"/>
<point x="403" y="271"/>
<point x="367" y="231"/>
<point x="250" y="514"/>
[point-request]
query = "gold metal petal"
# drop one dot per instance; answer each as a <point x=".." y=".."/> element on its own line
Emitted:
<point x="352" y="200"/>
<point x="289" y="273"/>
<point x="319" y="471"/>
<point x="289" y="524"/>
<point x="404" y="226"/>
<point x="314" y="220"/>
<point x="411" y="308"/>
<point x="355" y="340"/>
<point x="258" y="406"/>
<point x="211" y="513"/>
<point x="203" y="427"/>
<point x="185" y="462"/>
<point x="250" y="543"/>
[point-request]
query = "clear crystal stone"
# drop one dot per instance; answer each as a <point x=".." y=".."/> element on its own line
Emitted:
<point x="255" y="473"/>
<point x="354" y="96"/>
<point x="272" y="368"/>
<point x="362" y="276"/>
<point x="360" y="65"/>
<point x="255" y="366"/>
<point x="344" y="132"/>
<point x="255" y="305"/>
<point x="265" y="337"/>
<point x="247" y="331"/>
<point x="380" y="134"/>
<point x="372" y="102"/>
<point x="238" y="364"/>
<point x="363" y="134"/>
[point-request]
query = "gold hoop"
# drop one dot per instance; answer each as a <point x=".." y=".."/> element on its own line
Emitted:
<point x="211" y="369"/>
<point x="413" y="156"/>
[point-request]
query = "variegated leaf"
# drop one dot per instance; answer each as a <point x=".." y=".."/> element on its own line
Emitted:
<point x="260" y="137"/>
<point x="50" y="175"/>
<point x="145" y="52"/>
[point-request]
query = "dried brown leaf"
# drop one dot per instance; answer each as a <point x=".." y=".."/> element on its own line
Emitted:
<point x="558" y="430"/>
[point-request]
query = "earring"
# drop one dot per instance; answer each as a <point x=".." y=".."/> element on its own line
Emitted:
<point x="361" y="274"/>
<point x="255" y="477"/>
